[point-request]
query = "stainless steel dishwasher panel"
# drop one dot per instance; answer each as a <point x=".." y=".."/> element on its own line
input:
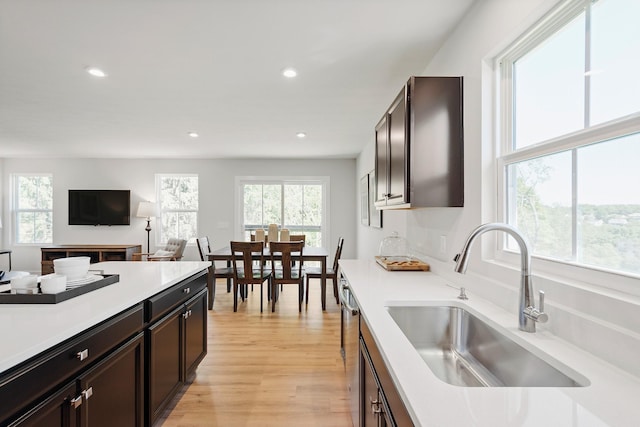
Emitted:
<point x="350" y="340"/>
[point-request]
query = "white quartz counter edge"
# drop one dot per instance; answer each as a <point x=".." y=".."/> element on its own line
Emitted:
<point x="26" y="330"/>
<point x="610" y="399"/>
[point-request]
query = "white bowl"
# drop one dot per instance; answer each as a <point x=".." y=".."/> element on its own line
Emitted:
<point x="53" y="283"/>
<point x="24" y="282"/>
<point x="73" y="267"/>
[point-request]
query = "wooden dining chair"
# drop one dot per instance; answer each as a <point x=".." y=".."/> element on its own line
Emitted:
<point x="283" y="272"/>
<point x="246" y="271"/>
<point x="204" y="247"/>
<point x="332" y="273"/>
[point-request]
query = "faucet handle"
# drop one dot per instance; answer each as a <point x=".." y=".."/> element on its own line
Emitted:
<point x="537" y="314"/>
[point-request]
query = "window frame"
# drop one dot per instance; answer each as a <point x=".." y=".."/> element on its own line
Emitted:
<point x="158" y="228"/>
<point x="506" y="154"/>
<point x="15" y="210"/>
<point x="324" y="181"/>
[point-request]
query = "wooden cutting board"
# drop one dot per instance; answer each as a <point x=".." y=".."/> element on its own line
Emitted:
<point x="402" y="263"/>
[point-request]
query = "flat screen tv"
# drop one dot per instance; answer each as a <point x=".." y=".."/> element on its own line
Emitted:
<point x="99" y="207"/>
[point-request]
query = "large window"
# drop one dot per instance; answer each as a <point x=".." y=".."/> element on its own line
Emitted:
<point x="568" y="164"/>
<point x="177" y="197"/>
<point x="297" y="204"/>
<point x="33" y="208"/>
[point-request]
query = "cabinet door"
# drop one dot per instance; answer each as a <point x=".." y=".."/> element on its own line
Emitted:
<point x="381" y="162"/>
<point x="54" y="411"/>
<point x="195" y="332"/>
<point x="398" y="150"/>
<point x="164" y="344"/>
<point x="369" y="393"/>
<point x="112" y="391"/>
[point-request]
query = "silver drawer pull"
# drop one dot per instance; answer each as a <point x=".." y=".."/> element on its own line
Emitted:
<point x="186" y="290"/>
<point x="76" y="402"/>
<point x="81" y="355"/>
<point x="87" y="393"/>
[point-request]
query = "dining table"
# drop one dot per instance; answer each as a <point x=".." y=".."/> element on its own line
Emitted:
<point x="309" y="253"/>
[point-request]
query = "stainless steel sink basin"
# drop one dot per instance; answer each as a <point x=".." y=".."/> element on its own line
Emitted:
<point x="463" y="350"/>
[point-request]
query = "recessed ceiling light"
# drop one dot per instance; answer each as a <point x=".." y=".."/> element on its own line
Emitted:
<point x="193" y="134"/>
<point x="289" y="72"/>
<point x="96" y="72"/>
<point x="301" y="135"/>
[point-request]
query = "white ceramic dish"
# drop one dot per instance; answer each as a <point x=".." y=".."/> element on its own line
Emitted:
<point x="24" y="282"/>
<point x="89" y="278"/>
<point x="53" y="283"/>
<point x="72" y="267"/>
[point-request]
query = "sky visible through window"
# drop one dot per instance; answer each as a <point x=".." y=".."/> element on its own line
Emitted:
<point x="551" y="103"/>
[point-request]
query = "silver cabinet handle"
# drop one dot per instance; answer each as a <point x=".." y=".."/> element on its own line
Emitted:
<point x="76" y="402"/>
<point x="186" y="290"/>
<point x="375" y="406"/>
<point x="82" y="355"/>
<point x="87" y="393"/>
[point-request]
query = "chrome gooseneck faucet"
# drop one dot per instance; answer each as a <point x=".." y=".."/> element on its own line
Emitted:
<point x="528" y="314"/>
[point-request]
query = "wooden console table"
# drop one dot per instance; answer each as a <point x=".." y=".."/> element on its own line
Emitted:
<point x="97" y="253"/>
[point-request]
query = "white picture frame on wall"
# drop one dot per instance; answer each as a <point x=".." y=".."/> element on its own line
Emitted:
<point x="364" y="200"/>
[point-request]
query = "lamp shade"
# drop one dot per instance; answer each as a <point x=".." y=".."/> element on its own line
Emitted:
<point x="147" y="210"/>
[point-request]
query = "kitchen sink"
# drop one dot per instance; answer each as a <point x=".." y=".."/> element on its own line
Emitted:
<point x="462" y="350"/>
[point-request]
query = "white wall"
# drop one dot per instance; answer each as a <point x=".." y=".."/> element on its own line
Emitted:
<point x="216" y="187"/>
<point x="487" y="28"/>
<point x="581" y="313"/>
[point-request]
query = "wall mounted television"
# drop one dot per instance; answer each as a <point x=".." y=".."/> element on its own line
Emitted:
<point x="99" y="207"/>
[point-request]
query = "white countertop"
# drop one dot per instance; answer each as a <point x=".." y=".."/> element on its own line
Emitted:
<point x="28" y="329"/>
<point x="611" y="399"/>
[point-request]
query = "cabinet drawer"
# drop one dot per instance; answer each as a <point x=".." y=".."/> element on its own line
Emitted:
<point x="30" y="380"/>
<point x="165" y="301"/>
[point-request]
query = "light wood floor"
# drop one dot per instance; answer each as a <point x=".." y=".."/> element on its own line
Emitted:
<point x="269" y="369"/>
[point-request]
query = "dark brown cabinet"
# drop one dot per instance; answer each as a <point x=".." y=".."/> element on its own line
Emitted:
<point x="380" y="402"/>
<point x="176" y="340"/>
<point x="121" y="372"/>
<point x="54" y="411"/>
<point x="195" y="332"/>
<point x="164" y="340"/>
<point x="107" y="394"/>
<point x="419" y="149"/>
<point x="370" y="394"/>
<point x="113" y="391"/>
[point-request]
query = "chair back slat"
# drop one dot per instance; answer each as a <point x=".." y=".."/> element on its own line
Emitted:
<point x="336" y="259"/>
<point x="243" y="254"/>
<point x="298" y="238"/>
<point x="283" y="255"/>
<point x="204" y="247"/>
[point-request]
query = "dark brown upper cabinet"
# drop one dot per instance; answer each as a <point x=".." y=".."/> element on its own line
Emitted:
<point x="419" y="159"/>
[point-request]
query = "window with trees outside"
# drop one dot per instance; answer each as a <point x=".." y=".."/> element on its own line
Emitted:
<point x="297" y="204"/>
<point x="177" y="198"/>
<point x="33" y="208"/>
<point x="570" y="136"/>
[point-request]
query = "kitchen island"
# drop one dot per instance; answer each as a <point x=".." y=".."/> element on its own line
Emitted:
<point x="154" y="306"/>
<point x="608" y="397"/>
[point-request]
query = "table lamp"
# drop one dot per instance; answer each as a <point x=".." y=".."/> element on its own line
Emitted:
<point x="147" y="210"/>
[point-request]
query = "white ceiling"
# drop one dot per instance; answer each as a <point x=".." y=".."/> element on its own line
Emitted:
<point x="210" y="66"/>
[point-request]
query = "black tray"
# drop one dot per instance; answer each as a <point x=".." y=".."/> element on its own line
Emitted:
<point x="8" y="298"/>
